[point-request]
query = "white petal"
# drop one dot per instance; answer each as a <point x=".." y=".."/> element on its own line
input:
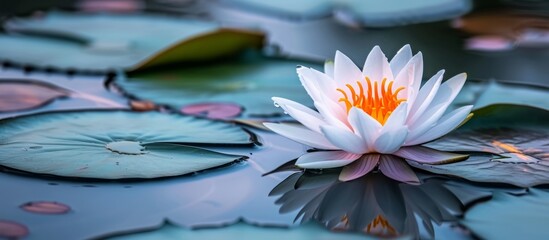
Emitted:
<point x="391" y="140"/>
<point x="400" y="59"/>
<point x="359" y="167"/>
<point x="376" y="66"/>
<point x="449" y="90"/>
<point x="308" y="80"/>
<point x="397" y="118"/>
<point x="329" y="68"/>
<point x="425" y="96"/>
<point x="344" y="139"/>
<point x="306" y="116"/>
<point x="317" y="84"/>
<point x="332" y="113"/>
<point x="428" y="155"/>
<point x="446" y="124"/>
<point x="326" y="159"/>
<point x="345" y="70"/>
<point x="397" y="169"/>
<point x="301" y="135"/>
<point x="445" y="95"/>
<point x="427" y="121"/>
<point x="410" y="77"/>
<point x="365" y="126"/>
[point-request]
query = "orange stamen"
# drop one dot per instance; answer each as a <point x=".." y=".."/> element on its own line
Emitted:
<point x="378" y="101"/>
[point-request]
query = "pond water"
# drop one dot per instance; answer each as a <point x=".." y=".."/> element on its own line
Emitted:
<point x="258" y="192"/>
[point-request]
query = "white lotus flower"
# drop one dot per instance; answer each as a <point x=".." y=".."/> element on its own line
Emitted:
<point x="364" y="115"/>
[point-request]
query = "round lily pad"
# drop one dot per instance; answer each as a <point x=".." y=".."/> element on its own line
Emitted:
<point x="506" y="144"/>
<point x="115" y="144"/>
<point x="19" y="95"/>
<point x="250" y="82"/>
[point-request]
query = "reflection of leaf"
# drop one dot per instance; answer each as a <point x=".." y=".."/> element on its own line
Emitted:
<point x="114" y="144"/>
<point x="241" y="231"/>
<point x="103" y="42"/>
<point x="358" y="12"/>
<point x="249" y="82"/>
<point x="507" y="216"/>
<point x="24" y="95"/>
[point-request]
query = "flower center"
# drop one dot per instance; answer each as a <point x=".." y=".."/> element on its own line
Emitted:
<point x="379" y="102"/>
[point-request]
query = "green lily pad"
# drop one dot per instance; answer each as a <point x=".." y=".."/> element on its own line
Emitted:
<point x="508" y="216"/>
<point x="114" y="144"/>
<point x="504" y="147"/>
<point x="22" y="95"/>
<point x="242" y="231"/>
<point x="369" y="13"/>
<point x="484" y="94"/>
<point x="249" y="82"/>
<point x="101" y="42"/>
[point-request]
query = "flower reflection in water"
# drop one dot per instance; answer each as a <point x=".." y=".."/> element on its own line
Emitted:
<point x="374" y="203"/>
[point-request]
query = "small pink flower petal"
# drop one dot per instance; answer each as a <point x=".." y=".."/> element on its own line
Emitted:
<point x="213" y="110"/>
<point x="428" y="155"/>
<point x="326" y="159"/>
<point x="397" y="169"/>
<point x="359" y="168"/>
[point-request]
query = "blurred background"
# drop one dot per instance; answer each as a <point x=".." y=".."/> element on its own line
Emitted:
<point x="506" y="40"/>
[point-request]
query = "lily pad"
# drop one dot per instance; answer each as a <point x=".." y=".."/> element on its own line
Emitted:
<point x="370" y="13"/>
<point x="24" y="95"/>
<point x="524" y="217"/>
<point x="249" y="82"/>
<point x="483" y="94"/>
<point x="115" y="144"/>
<point x="101" y="42"/>
<point x="504" y="147"/>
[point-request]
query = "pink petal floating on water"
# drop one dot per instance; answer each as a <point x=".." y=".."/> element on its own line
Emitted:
<point x="46" y="207"/>
<point x="9" y="230"/>
<point x="213" y="110"/>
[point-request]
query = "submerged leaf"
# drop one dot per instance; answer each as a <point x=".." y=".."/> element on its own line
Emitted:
<point x="114" y="144"/>
<point x="24" y="95"/>
<point x="507" y="216"/>
<point x="101" y="42"/>
<point x="249" y="82"/>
